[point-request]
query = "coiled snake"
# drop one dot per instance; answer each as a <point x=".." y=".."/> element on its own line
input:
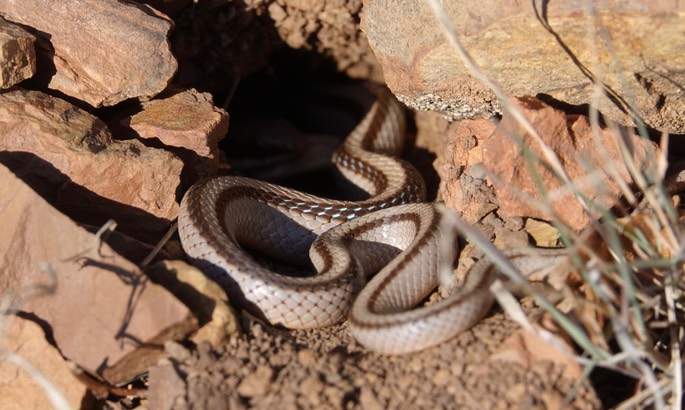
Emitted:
<point x="392" y="232"/>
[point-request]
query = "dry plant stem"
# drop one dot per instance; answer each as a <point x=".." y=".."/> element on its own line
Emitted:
<point x="508" y="105"/>
<point x="510" y="305"/>
<point x="610" y="166"/>
<point x="513" y="309"/>
<point x="543" y="204"/>
<point x="499" y="259"/>
<point x="644" y="398"/>
<point x="625" y="271"/>
<point x="657" y="206"/>
<point x="626" y="343"/>
<point x="667" y="215"/>
<point x="601" y="32"/>
<point x="453" y="223"/>
<point x="635" y="355"/>
<point x="569" y="237"/>
<point x="640" y="179"/>
<point x="159" y="245"/>
<point x="675" y="333"/>
<point x="650" y="185"/>
<point x="107" y="227"/>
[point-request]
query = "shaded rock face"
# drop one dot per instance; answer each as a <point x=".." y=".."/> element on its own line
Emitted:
<point x="98" y="307"/>
<point x="558" y="51"/>
<point x="330" y="28"/>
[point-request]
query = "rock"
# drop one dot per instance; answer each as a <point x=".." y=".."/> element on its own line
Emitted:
<point x="187" y="120"/>
<point x="69" y="157"/>
<point x="592" y="163"/>
<point x="462" y="183"/>
<point x="307" y="357"/>
<point x="330" y="28"/>
<point x="432" y="134"/>
<point x="554" y="52"/>
<point x="108" y="52"/>
<point x="105" y="315"/>
<point x="177" y="351"/>
<point x="496" y="161"/>
<point x="18" y="388"/>
<point x="517" y="393"/>
<point x="17" y="48"/>
<point x="210" y="44"/>
<point x="543" y="234"/>
<point x="442" y="377"/>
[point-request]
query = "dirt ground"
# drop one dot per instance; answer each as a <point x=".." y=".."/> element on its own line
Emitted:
<point x="268" y="368"/>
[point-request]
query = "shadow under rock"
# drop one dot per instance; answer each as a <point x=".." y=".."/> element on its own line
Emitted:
<point x="79" y="203"/>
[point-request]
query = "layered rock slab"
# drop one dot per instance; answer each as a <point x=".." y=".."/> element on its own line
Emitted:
<point x="70" y="157"/>
<point x="108" y="52"/>
<point x="559" y="51"/>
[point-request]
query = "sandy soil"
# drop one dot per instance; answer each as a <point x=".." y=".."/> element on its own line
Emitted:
<point x="325" y="368"/>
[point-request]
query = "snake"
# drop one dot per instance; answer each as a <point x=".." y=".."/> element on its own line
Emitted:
<point x="231" y="226"/>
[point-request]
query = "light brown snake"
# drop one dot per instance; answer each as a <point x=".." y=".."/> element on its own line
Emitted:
<point x="391" y="233"/>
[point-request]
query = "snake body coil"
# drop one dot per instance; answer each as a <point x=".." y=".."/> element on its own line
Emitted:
<point x="391" y="233"/>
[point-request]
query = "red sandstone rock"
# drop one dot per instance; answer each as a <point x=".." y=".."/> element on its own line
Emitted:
<point x="462" y="185"/>
<point x="69" y="157"/>
<point x="99" y="51"/>
<point x="100" y="307"/>
<point x="497" y="159"/>
<point x="18" y="53"/>
<point x="187" y="120"/>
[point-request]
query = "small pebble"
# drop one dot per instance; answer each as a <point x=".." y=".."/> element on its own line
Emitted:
<point x="257" y="383"/>
<point x="307" y="357"/>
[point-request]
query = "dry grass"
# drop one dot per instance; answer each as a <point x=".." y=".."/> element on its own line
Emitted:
<point x="627" y="310"/>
